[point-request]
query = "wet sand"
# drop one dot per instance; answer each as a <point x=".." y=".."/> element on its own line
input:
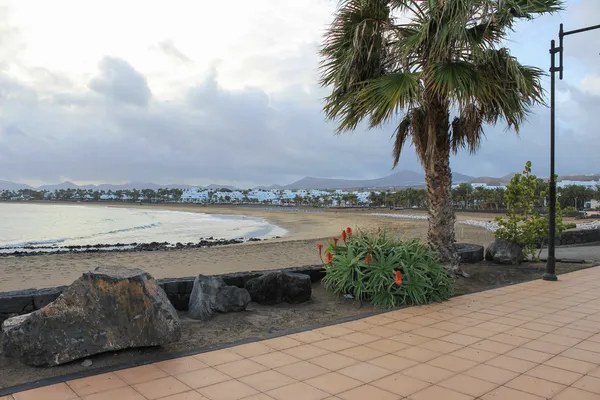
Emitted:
<point x="297" y="248"/>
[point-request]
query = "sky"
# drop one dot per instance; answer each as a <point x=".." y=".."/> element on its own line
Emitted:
<point x="227" y="92"/>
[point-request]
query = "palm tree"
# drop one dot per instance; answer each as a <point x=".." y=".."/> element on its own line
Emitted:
<point x="431" y="59"/>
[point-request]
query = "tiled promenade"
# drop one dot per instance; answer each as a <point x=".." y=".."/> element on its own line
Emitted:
<point x="532" y="341"/>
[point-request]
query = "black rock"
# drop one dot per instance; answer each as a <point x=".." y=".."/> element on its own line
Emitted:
<point x="469" y="253"/>
<point x="278" y="287"/>
<point x="211" y="294"/>
<point x="504" y="252"/>
<point x="105" y="310"/>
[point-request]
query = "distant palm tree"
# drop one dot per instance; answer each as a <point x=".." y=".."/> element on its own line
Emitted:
<point x="432" y="59"/>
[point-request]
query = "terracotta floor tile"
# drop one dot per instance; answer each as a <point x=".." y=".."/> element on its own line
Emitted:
<point x="359" y="325"/>
<point x="524" y="333"/>
<point x="360" y="338"/>
<point x="421" y="320"/>
<point x="181" y="365"/>
<point x="460" y="339"/>
<point x="557" y="375"/>
<point x="387" y="345"/>
<point x="477" y="332"/>
<point x="334" y="361"/>
<point x="511" y="364"/>
<point x="469" y="353"/>
<point x="440" y="346"/>
<point x="465" y="320"/>
<point x="418" y="354"/>
<point x="141" y="374"/>
<point x="334" y="344"/>
<point x="570" y="364"/>
<point x="538" y="326"/>
<point x="536" y="386"/>
<point x="191" y="395"/>
<point x="491" y="374"/>
<point x="362" y="353"/>
<point x="428" y="373"/>
<point x="124" y="393"/>
<point x="381" y="320"/>
<point x="365" y="372"/>
<point x="202" y="377"/>
<point x="218" y="357"/>
<point x="305" y="351"/>
<point x="297" y="391"/>
<point x="333" y="383"/>
<point x="403" y="326"/>
<point x="512" y="340"/>
<point x="267" y="380"/>
<point x="230" y="390"/>
<point x="595" y="373"/>
<point x="262" y="396"/>
<point x="281" y="343"/>
<point x="588" y="345"/>
<point x="573" y="333"/>
<point x="558" y="339"/>
<point x="575" y="394"/>
<point x="452" y="363"/>
<point x="302" y="370"/>
<point x="393" y="362"/>
<point x="401" y="384"/>
<point x="333" y="331"/>
<point x="491" y="346"/>
<point x="398" y="315"/>
<point x="545" y="347"/>
<point x="582" y="355"/>
<point x="529" y="355"/>
<point x="468" y="385"/>
<point x="275" y="359"/>
<point x="589" y="384"/>
<point x="383" y="332"/>
<point x="237" y="369"/>
<point x="509" y="321"/>
<point x="251" y="349"/>
<point x="313" y="336"/>
<point x="430" y="332"/>
<point x="448" y="326"/>
<point x="94" y="384"/>
<point x="59" y="391"/>
<point x="504" y="393"/>
<point x="368" y="392"/>
<point x="161" y="388"/>
<point x="410" y="338"/>
<point x="437" y="393"/>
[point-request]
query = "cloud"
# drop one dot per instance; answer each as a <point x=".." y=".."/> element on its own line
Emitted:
<point x="118" y="81"/>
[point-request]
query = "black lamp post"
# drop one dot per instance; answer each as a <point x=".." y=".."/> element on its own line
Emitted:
<point x="550" y="274"/>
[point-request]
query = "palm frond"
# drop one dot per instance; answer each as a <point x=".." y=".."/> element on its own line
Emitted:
<point x="467" y="129"/>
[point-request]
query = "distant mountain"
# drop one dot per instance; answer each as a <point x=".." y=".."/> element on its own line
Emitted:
<point x="213" y="186"/>
<point x="398" y="179"/>
<point x="6" y="185"/>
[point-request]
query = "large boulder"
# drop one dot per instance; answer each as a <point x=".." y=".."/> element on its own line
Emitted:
<point x="469" y="253"/>
<point x="211" y="294"/>
<point x="504" y="252"/>
<point x="278" y="287"/>
<point x="107" y="309"/>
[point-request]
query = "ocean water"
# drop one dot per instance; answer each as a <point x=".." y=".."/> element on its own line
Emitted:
<point x="47" y="226"/>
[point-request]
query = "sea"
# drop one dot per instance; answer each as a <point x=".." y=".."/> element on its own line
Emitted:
<point x="47" y="227"/>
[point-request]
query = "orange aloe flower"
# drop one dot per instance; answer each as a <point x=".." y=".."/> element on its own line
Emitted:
<point x="398" y="278"/>
<point x="349" y="231"/>
<point x="335" y="240"/>
<point x="320" y="247"/>
<point x="368" y="260"/>
<point x="328" y="258"/>
<point x="344" y="236"/>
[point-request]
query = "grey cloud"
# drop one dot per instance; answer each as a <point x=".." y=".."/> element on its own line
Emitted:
<point x="169" y="48"/>
<point x="118" y="81"/>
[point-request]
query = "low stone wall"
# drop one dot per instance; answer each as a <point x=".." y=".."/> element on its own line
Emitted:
<point x="578" y="236"/>
<point x="178" y="290"/>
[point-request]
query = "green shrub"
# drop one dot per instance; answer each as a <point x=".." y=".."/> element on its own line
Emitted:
<point x="385" y="271"/>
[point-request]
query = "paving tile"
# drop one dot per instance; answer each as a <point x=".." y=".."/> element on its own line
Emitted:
<point x="275" y="359"/>
<point x="368" y="392"/>
<point x="511" y="364"/>
<point x="312" y="336"/>
<point x="281" y="343"/>
<point x="545" y="347"/>
<point x="418" y="354"/>
<point x="403" y="326"/>
<point x="428" y="373"/>
<point x="573" y="333"/>
<point x="359" y="325"/>
<point x="448" y="326"/>
<point x="161" y="388"/>
<point x="465" y="320"/>
<point x="251" y="349"/>
<point x="538" y="326"/>
<point x="524" y="333"/>
<point x="393" y="362"/>
<point x="512" y="340"/>
<point x="360" y="338"/>
<point x="59" y="391"/>
<point x="297" y="391"/>
<point x="452" y="363"/>
<point x="504" y="393"/>
<point x="262" y="396"/>
<point x="267" y="380"/>
<point x="218" y="357"/>
<point x="588" y="345"/>
<point x="570" y="364"/>
<point x="202" y="377"/>
<point x="430" y="332"/>
<point x="468" y="385"/>
<point x="536" y="386"/>
<point x="491" y="346"/>
<point x="334" y="361"/>
<point x="334" y="344"/>
<point x="469" y="353"/>
<point x="529" y="355"/>
<point x="94" y="384"/>
<point x="477" y="332"/>
<point x="124" y="393"/>
<point x="508" y="321"/>
<point x="230" y="390"/>
<point x="557" y="375"/>
<point x="381" y="320"/>
<point x="141" y="374"/>
<point x="582" y="355"/>
<point x="460" y="339"/>
<point x="237" y="369"/>
<point x="362" y="353"/>
<point x="491" y="374"/>
<point x="305" y="351"/>
<point x="365" y="372"/>
<point x="595" y="373"/>
<point x="421" y="320"/>
<point x="334" y="383"/>
<point x="302" y="370"/>
<point x="571" y="393"/>
<point x="559" y="339"/>
<point x="181" y="365"/>
<point x="438" y="392"/>
<point x="383" y="332"/>
<point x="387" y="345"/>
<point x="440" y="346"/>
<point x="589" y="384"/>
<point x="333" y="331"/>
<point x="191" y="395"/>
<point x="400" y="384"/>
<point x="410" y="338"/>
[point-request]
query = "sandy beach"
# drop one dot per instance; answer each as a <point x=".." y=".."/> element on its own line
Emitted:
<point x="297" y="248"/>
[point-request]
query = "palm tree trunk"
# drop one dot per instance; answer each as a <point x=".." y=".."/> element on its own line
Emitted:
<point x="438" y="179"/>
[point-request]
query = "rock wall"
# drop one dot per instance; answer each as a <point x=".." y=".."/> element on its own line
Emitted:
<point x="178" y="291"/>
